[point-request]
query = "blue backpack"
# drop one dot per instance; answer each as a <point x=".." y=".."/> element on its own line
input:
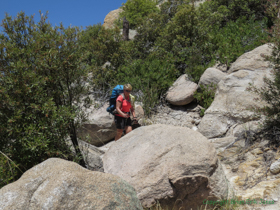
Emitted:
<point x="115" y="93"/>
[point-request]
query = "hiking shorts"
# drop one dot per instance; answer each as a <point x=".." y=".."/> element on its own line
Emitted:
<point x="121" y="122"/>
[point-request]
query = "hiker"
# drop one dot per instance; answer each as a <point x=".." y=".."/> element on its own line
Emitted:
<point x="124" y="107"/>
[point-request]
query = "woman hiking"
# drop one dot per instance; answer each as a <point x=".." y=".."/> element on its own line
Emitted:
<point x="124" y="107"/>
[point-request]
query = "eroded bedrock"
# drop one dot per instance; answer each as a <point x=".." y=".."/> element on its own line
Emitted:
<point x="233" y="102"/>
<point x="166" y="164"/>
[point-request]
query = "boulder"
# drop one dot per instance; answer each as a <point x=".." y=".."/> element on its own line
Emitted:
<point x="242" y="131"/>
<point x="233" y="103"/>
<point x="253" y="60"/>
<point x="61" y="184"/>
<point x="181" y="92"/>
<point x="139" y="111"/>
<point x="111" y="17"/>
<point x="175" y="166"/>
<point x="99" y="129"/>
<point x="211" y="76"/>
<point x="184" y="116"/>
<point x="92" y="156"/>
<point x="275" y="167"/>
<point x="221" y="144"/>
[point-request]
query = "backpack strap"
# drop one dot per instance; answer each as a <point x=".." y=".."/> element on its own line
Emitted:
<point x="125" y="98"/>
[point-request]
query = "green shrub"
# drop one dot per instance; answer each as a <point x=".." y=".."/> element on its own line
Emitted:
<point x="205" y="96"/>
<point x="40" y="81"/>
<point x="101" y="45"/>
<point x="151" y="76"/>
<point x="135" y="10"/>
<point x="240" y="8"/>
<point x="148" y="32"/>
<point x="238" y="37"/>
<point x="186" y="37"/>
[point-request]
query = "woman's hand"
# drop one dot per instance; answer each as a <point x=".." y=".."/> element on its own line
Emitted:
<point x="126" y="115"/>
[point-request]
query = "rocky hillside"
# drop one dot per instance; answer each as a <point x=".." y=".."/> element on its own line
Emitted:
<point x="198" y="143"/>
<point x="223" y="159"/>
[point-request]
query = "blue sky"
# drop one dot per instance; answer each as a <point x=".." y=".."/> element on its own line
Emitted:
<point x="74" y="12"/>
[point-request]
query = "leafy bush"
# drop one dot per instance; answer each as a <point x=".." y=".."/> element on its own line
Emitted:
<point x="186" y="36"/>
<point x="205" y="96"/>
<point x="135" y="10"/>
<point x="40" y="83"/>
<point x="148" y="32"/>
<point x="151" y="76"/>
<point x="238" y="37"/>
<point x="240" y="8"/>
<point x="101" y="45"/>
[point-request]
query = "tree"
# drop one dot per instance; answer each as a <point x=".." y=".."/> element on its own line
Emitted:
<point x="41" y="73"/>
<point x="135" y="10"/>
<point x="239" y="8"/>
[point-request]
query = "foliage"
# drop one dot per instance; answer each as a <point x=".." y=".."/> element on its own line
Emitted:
<point x="240" y="8"/>
<point x="40" y="83"/>
<point x="205" y="96"/>
<point x="186" y="36"/>
<point x="270" y="92"/>
<point x="151" y="76"/>
<point x="194" y="38"/>
<point x="101" y="45"/>
<point x="43" y="67"/>
<point x="238" y="37"/>
<point x="105" y="51"/>
<point x="171" y="7"/>
<point x="148" y="32"/>
<point x="135" y="10"/>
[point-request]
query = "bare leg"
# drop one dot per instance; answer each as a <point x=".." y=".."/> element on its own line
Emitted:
<point x="118" y="134"/>
<point x="128" y="129"/>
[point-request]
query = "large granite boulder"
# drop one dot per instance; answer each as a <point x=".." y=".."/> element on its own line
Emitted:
<point x="92" y="156"/>
<point x="174" y="166"/>
<point x="60" y="184"/>
<point x="211" y="76"/>
<point x="233" y="103"/>
<point x="182" y="91"/>
<point x="111" y="17"/>
<point x="100" y="128"/>
<point x="253" y="60"/>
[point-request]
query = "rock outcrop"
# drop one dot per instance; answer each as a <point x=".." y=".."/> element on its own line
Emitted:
<point x="111" y="17"/>
<point x="92" y="156"/>
<point x="247" y="169"/>
<point x="100" y="128"/>
<point x="181" y="92"/>
<point x="232" y="101"/>
<point x="275" y="167"/>
<point x="184" y="116"/>
<point x="211" y="76"/>
<point x="60" y="184"/>
<point x="168" y="164"/>
<point x="253" y="60"/>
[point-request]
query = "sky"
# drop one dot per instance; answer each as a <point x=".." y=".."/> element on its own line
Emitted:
<point x="69" y="12"/>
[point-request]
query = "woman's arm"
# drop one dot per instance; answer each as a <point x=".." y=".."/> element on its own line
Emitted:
<point x="133" y="112"/>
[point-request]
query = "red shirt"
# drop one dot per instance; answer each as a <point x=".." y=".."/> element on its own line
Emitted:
<point x="126" y="105"/>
